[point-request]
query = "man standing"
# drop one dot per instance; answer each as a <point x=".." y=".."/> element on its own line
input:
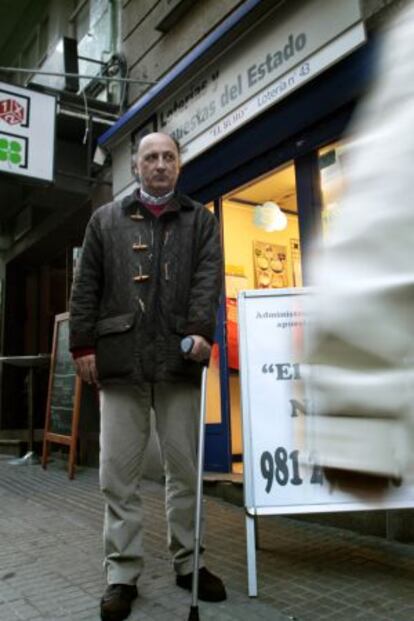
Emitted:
<point x="150" y="274"/>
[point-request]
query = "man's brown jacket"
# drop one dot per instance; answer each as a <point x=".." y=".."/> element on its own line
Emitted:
<point x="144" y="283"/>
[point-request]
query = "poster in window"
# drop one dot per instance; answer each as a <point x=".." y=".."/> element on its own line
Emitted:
<point x="296" y="263"/>
<point x="270" y="265"/>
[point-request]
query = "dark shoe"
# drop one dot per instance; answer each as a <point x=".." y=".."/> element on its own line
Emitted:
<point x="116" y="601"/>
<point x="210" y="587"/>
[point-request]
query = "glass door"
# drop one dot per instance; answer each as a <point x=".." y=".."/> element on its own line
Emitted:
<point x="262" y="250"/>
<point x="332" y="179"/>
<point x="217" y="448"/>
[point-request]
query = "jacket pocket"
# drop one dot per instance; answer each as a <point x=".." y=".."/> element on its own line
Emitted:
<point x="115" y="346"/>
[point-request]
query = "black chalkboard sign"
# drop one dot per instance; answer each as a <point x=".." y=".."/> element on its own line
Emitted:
<point x="63" y="385"/>
<point x="64" y="396"/>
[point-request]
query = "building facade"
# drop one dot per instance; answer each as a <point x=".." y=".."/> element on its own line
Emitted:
<point x="43" y="217"/>
<point x="259" y="94"/>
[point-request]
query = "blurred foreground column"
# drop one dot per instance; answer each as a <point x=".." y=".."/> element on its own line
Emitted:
<point x="360" y="352"/>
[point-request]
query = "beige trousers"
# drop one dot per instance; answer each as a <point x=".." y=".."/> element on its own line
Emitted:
<point x="125" y="429"/>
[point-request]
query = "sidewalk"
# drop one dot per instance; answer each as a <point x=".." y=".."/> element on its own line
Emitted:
<point x="50" y="560"/>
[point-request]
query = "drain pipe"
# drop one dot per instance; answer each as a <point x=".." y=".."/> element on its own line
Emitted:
<point x="116" y="23"/>
<point x="119" y="92"/>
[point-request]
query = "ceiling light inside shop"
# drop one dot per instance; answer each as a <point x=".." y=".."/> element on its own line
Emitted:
<point x="269" y="217"/>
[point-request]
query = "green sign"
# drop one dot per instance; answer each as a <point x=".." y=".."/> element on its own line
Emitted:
<point x="13" y="151"/>
<point x="10" y="150"/>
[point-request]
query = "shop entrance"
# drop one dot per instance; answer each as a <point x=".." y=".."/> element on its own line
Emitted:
<point x="262" y="250"/>
<point x="267" y="225"/>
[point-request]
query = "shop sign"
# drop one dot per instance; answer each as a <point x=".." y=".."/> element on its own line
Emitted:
<point x="282" y="53"/>
<point x="27" y="132"/>
<point x="281" y="472"/>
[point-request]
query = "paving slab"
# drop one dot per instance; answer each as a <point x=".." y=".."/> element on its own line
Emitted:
<point x="51" y="560"/>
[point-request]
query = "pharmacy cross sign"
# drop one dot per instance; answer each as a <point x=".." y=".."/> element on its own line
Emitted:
<point x="13" y="149"/>
<point x="10" y="150"/>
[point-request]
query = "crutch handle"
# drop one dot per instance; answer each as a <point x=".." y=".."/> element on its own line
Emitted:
<point x="186" y="345"/>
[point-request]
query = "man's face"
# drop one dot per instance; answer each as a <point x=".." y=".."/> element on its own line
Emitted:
<point x="158" y="164"/>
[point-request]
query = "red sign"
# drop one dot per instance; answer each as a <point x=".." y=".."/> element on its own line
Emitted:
<point x="11" y="112"/>
<point x="232" y="334"/>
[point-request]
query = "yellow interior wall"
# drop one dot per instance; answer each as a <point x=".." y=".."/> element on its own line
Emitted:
<point x="240" y="232"/>
<point x="213" y="396"/>
<point x="235" y="415"/>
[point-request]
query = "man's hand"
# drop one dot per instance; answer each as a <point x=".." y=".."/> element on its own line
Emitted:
<point x="86" y="368"/>
<point x="201" y="349"/>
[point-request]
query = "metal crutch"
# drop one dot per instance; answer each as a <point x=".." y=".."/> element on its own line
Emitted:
<point x="186" y="347"/>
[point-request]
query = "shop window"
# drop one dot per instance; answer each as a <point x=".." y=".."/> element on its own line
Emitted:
<point x="331" y="168"/>
<point x="43" y="38"/>
<point x="33" y="53"/>
<point x="92" y="28"/>
<point x="30" y="57"/>
<point x="261" y="251"/>
<point x="81" y="20"/>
